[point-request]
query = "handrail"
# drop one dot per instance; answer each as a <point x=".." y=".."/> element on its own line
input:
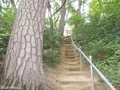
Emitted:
<point x="95" y="68"/>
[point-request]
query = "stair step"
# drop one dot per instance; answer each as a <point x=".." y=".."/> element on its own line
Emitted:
<point x="71" y="60"/>
<point x="72" y="73"/>
<point x="67" y="43"/>
<point x="72" y="68"/>
<point x="73" y="63"/>
<point x="76" y="88"/>
<point x="82" y="86"/>
<point x="77" y="73"/>
<point x="74" y="79"/>
<point x="70" y="54"/>
<point x="70" y="57"/>
<point x="69" y="50"/>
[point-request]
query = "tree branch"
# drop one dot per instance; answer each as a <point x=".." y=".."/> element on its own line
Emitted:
<point x="59" y="8"/>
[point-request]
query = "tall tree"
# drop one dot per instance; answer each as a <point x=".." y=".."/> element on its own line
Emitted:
<point x="79" y="6"/>
<point x="62" y="19"/>
<point x="23" y="62"/>
<point x="13" y="3"/>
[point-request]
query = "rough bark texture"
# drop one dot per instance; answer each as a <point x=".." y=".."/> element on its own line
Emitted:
<point x="23" y="62"/>
<point x="62" y="19"/>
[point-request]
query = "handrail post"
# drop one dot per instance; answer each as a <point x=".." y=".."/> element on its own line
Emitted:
<point x="81" y="67"/>
<point x="91" y="71"/>
<point x="111" y="87"/>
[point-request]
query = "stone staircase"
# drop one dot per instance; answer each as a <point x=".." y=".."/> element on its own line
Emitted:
<point x="72" y="78"/>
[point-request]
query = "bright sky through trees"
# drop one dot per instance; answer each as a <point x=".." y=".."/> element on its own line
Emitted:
<point x="84" y="11"/>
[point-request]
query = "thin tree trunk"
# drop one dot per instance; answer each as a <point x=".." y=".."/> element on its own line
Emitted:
<point x="23" y="63"/>
<point x="62" y="19"/>
<point x="79" y="6"/>
<point x="13" y="3"/>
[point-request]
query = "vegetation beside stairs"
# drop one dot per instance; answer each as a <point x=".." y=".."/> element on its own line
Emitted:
<point x="68" y="75"/>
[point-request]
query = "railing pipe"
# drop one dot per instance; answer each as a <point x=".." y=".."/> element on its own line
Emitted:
<point x="91" y="72"/>
<point x="81" y="62"/>
<point x="100" y="74"/>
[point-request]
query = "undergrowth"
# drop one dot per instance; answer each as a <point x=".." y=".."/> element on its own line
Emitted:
<point x="51" y="51"/>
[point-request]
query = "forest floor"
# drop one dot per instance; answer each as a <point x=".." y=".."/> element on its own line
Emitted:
<point x="68" y="75"/>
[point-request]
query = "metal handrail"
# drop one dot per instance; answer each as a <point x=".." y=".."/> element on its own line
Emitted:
<point x="111" y="87"/>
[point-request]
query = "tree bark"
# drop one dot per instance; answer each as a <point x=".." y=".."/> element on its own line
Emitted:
<point x="79" y="6"/>
<point x="62" y="19"/>
<point x="23" y="63"/>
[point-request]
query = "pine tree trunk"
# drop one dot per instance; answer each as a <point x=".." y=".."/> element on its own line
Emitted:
<point x="62" y="19"/>
<point x="23" y="63"/>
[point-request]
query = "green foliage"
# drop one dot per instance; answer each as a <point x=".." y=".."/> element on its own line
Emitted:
<point x="100" y="37"/>
<point x="1" y="64"/>
<point x="108" y="66"/>
<point x="6" y="22"/>
<point x="7" y="14"/>
<point x="51" y="47"/>
<point x="115" y="79"/>
<point x="51" y="58"/>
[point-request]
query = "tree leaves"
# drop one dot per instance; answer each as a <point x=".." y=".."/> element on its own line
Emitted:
<point x="100" y="37"/>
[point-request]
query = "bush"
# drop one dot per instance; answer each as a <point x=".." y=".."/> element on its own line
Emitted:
<point x="6" y="20"/>
<point x="51" y="47"/>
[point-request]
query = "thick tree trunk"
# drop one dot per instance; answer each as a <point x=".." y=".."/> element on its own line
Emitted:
<point x="62" y="19"/>
<point x="23" y="62"/>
